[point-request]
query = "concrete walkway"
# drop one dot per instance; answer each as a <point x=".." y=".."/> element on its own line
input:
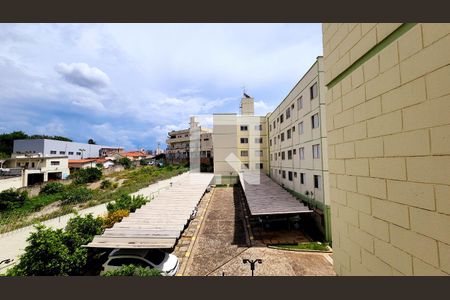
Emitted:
<point x="14" y="242"/>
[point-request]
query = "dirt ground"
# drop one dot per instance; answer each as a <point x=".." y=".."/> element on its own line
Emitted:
<point x="224" y="241"/>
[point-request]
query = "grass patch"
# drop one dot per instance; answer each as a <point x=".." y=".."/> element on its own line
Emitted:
<point x="308" y="246"/>
<point x="135" y="179"/>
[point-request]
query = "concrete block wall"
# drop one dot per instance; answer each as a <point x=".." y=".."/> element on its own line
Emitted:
<point x="388" y="124"/>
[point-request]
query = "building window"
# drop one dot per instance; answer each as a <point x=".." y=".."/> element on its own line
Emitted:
<point x="244" y="128"/>
<point x="78" y="153"/>
<point x="270" y="142"/>
<point x="317" y="184"/>
<point x="52" y="152"/>
<point x="244" y="166"/>
<point x="206" y="139"/>
<point x="244" y="153"/>
<point x="290" y="176"/>
<point x="275" y="156"/>
<point x="315" y="121"/>
<point x="295" y="174"/>
<point x="292" y="106"/>
<point x="244" y="140"/>
<point x="32" y="164"/>
<point x="258" y="140"/>
<point x="288" y="113"/>
<point x="282" y="155"/>
<point x="279" y="153"/>
<point x="281" y="118"/>
<point x="275" y="140"/>
<point x="293" y="129"/>
<point x="288" y="134"/>
<point x="289" y="154"/>
<point x="282" y="136"/>
<point x="284" y="174"/>
<point x="316" y="151"/>
<point x="258" y="153"/>
<point x="274" y="125"/>
<point x="300" y="128"/>
<point x="258" y="127"/>
<point x="300" y="103"/>
<point x="270" y="127"/>
<point x="294" y="151"/>
<point x="302" y="178"/>
<point x="271" y="157"/>
<point x="313" y="91"/>
<point x="279" y="172"/>
<point x="54" y="163"/>
<point x="62" y="152"/>
<point x="70" y="152"/>
<point x="258" y="166"/>
<point x="301" y="152"/>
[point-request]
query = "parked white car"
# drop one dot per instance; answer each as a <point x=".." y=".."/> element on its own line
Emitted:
<point x="167" y="263"/>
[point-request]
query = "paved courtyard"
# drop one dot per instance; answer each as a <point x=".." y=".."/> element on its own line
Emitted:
<point x="223" y="240"/>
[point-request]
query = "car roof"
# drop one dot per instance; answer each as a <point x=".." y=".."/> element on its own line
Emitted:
<point x="132" y="252"/>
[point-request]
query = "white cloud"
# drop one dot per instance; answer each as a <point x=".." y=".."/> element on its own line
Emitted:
<point x="83" y="75"/>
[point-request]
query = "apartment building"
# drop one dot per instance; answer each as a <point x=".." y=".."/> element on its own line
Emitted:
<point x="72" y="150"/>
<point x="298" y="144"/>
<point x="179" y="142"/>
<point x="240" y="142"/>
<point x="388" y="126"/>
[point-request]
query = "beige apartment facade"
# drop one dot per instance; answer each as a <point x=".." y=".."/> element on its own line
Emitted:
<point x="179" y="142"/>
<point x="298" y="144"/>
<point x="388" y="127"/>
<point x="240" y="142"/>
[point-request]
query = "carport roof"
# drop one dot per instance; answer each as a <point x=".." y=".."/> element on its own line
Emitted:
<point x="265" y="197"/>
<point x="159" y="223"/>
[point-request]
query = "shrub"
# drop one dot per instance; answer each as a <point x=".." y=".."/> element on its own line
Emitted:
<point x="132" y="270"/>
<point x="127" y="202"/>
<point x="52" y="188"/>
<point x="85" y="227"/>
<point x="114" y="216"/>
<point x="10" y="199"/>
<point x="115" y="185"/>
<point x="126" y="162"/>
<point x="76" y="194"/>
<point x="86" y="175"/>
<point x="48" y="255"/>
<point x="105" y="184"/>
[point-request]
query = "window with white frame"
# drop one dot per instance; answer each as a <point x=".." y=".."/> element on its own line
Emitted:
<point x="290" y="176"/>
<point x="288" y="133"/>
<point x="259" y="140"/>
<point x="244" y="128"/>
<point x="282" y="136"/>
<point x="288" y="113"/>
<point x="300" y="103"/>
<point x="244" y="153"/>
<point x="302" y="178"/>
<point x="317" y="182"/>
<point x="282" y="156"/>
<point x="300" y="128"/>
<point x="281" y="118"/>
<point x="258" y="153"/>
<point x="301" y="152"/>
<point x="258" y="127"/>
<point x="316" y="151"/>
<point x="313" y="91"/>
<point x="315" y="120"/>
<point x="289" y="154"/>
<point x="259" y="166"/>
<point x="244" y="140"/>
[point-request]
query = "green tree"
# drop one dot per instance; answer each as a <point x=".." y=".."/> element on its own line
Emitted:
<point x="127" y="202"/>
<point x="92" y="142"/>
<point x="52" y="188"/>
<point x="7" y="141"/>
<point x="86" y="175"/>
<point x="11" y="198"/>
<point x="83" y="229"/>
<point x="76" y="194"/>
<point x="125" y="161"/>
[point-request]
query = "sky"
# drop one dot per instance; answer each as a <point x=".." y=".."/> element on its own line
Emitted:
<point x="129" y="84"/>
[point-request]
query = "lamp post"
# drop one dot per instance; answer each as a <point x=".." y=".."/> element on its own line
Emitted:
<point x="252" y="263"/>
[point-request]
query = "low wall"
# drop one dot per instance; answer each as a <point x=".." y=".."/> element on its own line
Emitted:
<point x="12" y="182"/>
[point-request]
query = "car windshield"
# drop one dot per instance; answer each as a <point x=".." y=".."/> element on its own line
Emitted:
<point x="155" y="256"/>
